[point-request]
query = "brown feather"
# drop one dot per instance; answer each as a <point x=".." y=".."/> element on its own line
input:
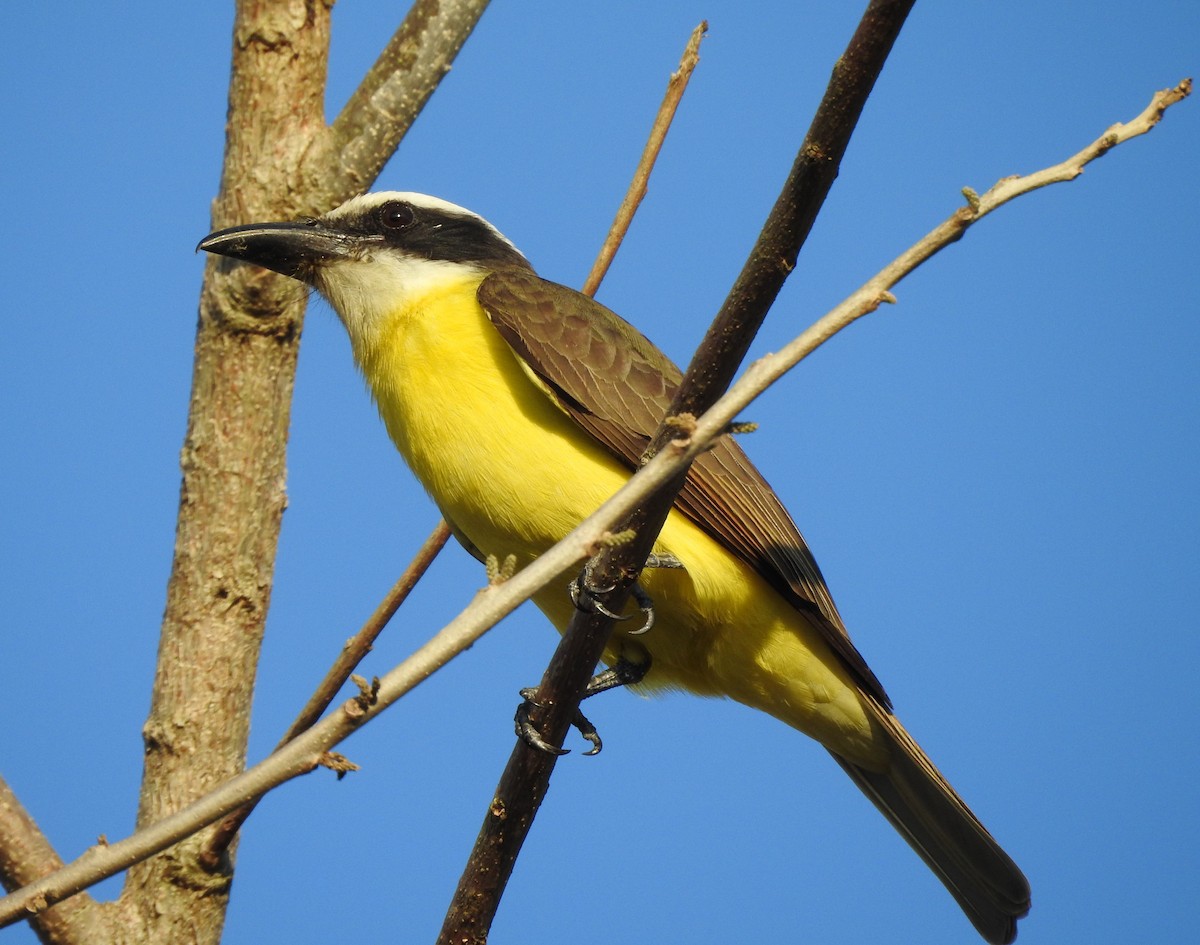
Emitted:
<point x="920" y="803"/>
<point x="618" y="386"/>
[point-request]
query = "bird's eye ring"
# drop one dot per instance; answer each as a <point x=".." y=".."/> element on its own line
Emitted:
<point x="395" y="215"/>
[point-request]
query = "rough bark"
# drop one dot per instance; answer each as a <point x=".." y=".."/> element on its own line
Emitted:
<point x="282" y="161"/>
<point x="233" y="463"/>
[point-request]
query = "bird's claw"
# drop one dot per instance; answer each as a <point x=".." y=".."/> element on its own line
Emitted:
<point x="529" y="734"/>
<point x="644" y="601"/>
<point x="646" y="605"/>
<point x="622" y="673"/>
<point x="586" y="598"/>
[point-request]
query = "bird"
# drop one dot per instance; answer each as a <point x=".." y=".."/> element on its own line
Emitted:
<point x="520" y="405"/>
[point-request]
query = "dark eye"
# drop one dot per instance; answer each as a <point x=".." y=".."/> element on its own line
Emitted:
<point x="396" y="216"/>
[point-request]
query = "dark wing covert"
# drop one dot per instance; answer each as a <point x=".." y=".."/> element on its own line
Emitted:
<point x="613" y="382"/>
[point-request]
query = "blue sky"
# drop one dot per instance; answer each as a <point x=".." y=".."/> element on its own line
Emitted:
<point x="998" y="475"/>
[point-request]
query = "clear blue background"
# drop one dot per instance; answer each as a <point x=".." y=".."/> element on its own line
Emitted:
<point x="998" y="475"/>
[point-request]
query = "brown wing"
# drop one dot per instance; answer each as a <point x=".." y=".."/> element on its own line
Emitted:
<point x="618" y="386"/>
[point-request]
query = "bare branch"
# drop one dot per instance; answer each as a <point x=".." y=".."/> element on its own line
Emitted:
<point x="1008" y="188"/>
<point x="360" y="644"/>
<point x="383" y="107"/>
<point x="495" y="602"/>
<point x="676" y="86"/>
<point x="25" y="853"/>
<point x="764" y="372"/>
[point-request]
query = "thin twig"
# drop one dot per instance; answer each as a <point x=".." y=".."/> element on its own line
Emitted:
<point x="526" y="777"/>
<point x="676" y="86"/>
<point x="360" y="644"/>
<point x="767" y="370"/>
<point x="495" y="602"/>
<point x="357" y="647"/>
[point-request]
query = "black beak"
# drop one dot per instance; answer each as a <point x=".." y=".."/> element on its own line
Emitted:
<point x="293" y="249"/>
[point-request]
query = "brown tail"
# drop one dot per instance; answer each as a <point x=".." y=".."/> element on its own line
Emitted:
<point x="918" y="801"/>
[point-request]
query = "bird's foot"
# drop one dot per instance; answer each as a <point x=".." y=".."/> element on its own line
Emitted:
<point x="585" y="593"/>
<point x="622" y="673"/>
<point x="529" y="734"/>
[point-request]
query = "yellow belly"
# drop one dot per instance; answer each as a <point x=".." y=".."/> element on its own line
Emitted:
<point x="514" y="474"/>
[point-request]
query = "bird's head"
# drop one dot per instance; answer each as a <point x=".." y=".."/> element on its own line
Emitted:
<point x="374" y="251"/>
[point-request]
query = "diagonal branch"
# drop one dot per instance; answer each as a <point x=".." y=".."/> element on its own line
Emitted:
<point x="641" y="176"/>
<point x="391" y="95"/>
<point x="791" y="219"/>
<point x="495" y="602"/>
<point x="526" y="778"/>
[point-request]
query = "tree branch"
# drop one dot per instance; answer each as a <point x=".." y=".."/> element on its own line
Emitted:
<point x="636" y="193"/>
<point x="495" y="602"/>
<point x="233" y="462"/>
<point x="386" y="103"/>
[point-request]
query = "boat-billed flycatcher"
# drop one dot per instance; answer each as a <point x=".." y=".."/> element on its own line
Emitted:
<point x="521" y="405"/>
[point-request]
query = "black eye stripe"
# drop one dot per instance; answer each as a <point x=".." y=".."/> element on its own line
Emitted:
<point x="429" y="232"/>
